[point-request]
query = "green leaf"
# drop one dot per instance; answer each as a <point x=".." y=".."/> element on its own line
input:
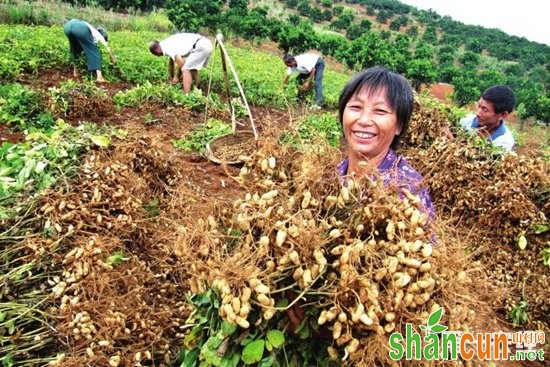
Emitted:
<point x="276" y="338"/>
<point x="210" y="357"/>
<point x="435" y="317"/>
<point x="539" y="228"/>
<point x="11" y="326"/>
<point x="101" y="140"/>
<point x="201" y="298"/>
<point x="266" y="362"/>
<point x="231" y="361"/>
<point x="7" y="361"/>
<point x="191" y="358"/>
<point x="438" y="328"/>
<point x="191" y="339"/>
<point x="116" y="259"/>
<point x="253" y="352"/>
<point x="213" y="343"/>
<point x="228" y="328"/>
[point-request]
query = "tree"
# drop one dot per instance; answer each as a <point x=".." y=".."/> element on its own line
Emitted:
<point x="399" y="22"/>
<point x="447" y="73"/>
<point x="353" y="31"/>
<point x="370" y="50"/>
<point x="446" y="55"/>
<point x="421" y="71"/>
<point x="291" y="3"/>
<point x="383" y="16"/>
<point x="191" y="15"/>
<point x="466" y="87"/>
<point x="294" y="19"/>
<point x="412" y="31"/>
<point x="402" y="52"/>
<point x="430" y="34"/>
<point x="365" y="24"/>
<point x="343" y="20"/>
<point x="423" y="51"/>
<point x="304" y="8"/>
<point x="474" y="45"/>
<point x="238" y="7"/>
<point x="297" y="39"/>
<point x="469" y="60"/>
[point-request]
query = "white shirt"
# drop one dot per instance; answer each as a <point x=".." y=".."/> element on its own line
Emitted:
<point x="304" y="64"/>
<point x="97" y="36"/>
<point x="179" y="44"/>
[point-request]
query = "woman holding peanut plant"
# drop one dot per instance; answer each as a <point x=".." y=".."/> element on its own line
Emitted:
<point x="83" y="37"/>
<point x="374" y="109"/>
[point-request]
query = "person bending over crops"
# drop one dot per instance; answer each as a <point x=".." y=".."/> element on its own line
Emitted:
<point x="310" y="66"/>
<point x="83" y="37"/>
<point x="494" y="106"/>
<point x="195" y="47"/>
<point x="374" y="110"/>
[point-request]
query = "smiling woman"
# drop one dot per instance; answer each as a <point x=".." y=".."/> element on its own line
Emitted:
<point x="375" y="108"/>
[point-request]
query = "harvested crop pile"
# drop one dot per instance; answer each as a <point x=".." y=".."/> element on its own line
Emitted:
<point x="499" y="204"/>
<point x="498" y="201"/>
<point x="77" y="100"/>
<point x="115" y="288"/>
<point x="425" y="126"/>
<point x="315" y="271"/>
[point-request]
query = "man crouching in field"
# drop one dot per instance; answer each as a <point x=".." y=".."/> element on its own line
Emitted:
<point x="195" y="47"/>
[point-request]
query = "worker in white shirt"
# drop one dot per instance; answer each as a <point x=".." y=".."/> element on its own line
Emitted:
<point x="310" y="66"/>
<point x="193" y="46"/>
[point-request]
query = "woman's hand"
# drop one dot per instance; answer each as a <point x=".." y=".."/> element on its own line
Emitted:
<point x="112" y="58"/>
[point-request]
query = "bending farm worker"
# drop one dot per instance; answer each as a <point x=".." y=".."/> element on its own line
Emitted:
<point x="310" y="66"/>
<point x="83" y="37"/>
<point x="194" y="47"/>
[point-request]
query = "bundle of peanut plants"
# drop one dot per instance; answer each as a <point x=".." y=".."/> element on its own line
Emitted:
<point x="306" y="269"/>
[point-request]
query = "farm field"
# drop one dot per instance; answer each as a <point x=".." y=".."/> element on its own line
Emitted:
<point x="121" y="241"/>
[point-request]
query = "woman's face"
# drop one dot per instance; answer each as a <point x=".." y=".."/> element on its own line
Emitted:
<point x="370" y="125"/>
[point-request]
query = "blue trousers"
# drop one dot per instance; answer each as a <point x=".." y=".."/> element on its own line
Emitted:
<point x="80" y="39"/>
<point x="319" y="70"/>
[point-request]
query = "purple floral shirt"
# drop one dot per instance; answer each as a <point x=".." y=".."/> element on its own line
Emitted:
<point x="396" y="170"/>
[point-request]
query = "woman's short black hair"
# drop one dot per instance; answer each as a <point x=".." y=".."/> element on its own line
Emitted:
<point x="103" y="32"/>
<point x="399" y="93"/>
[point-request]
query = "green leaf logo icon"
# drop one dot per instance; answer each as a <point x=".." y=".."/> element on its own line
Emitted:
<point x="433" y="323"/>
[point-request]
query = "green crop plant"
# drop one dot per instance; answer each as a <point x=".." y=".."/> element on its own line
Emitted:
<point x="23" y="107"/>
<point x="315" y="126"/>
<point x="519" y="314"/>
<point x="197" y="139"/>
<point x="545" y="254"/>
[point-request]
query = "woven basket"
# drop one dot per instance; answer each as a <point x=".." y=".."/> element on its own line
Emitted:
<point x="228" y="148"/>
